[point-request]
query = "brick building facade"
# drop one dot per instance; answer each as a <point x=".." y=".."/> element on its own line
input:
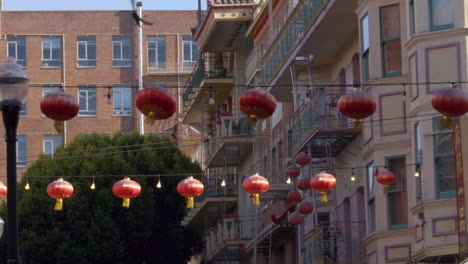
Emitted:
<point x="93" y="55"/>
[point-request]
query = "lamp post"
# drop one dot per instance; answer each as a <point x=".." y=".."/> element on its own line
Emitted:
<point x="13" y="93"/>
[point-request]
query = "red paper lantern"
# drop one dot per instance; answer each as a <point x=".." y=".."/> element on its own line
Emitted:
<point x="303" y="184"/>
<point x="126" y="189"/>
<point x="451" y="102"/>
<point x="59" y="106"/>
<point x="305" y="208"/>
<point x="357" y="105"/>
<point x="256" y="185"/>
<point x="295" y="219"/>
<point x="156" y="104"/>
<point x="59" y="190"/>
<point x="302" y="159"/>
<point x="385" y="177"/>
<point x="257" y="104"/>
<point x="293" y="171"/>
<point x="294" y="196"/>
<point x="3" y="189"/>
<point x="323" y="182"/>
<point x="190" y="188"/>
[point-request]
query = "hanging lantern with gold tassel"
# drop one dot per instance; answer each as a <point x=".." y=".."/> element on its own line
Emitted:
<point x="59" y="190"/>
<point x="190" y="188"/>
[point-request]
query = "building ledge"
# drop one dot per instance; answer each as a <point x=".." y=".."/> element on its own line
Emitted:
<point x="435" y="251"/>
<point x="388" y="234"/>
<point x="432" y="204"/>
<point x="435" y="35"/>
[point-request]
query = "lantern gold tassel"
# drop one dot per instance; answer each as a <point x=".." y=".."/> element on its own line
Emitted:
<point x="58" y="125"/>
<point x="253" y="119"/>
<point x="126" y="202"/>
<point x="256" y="199"/>
<point x="150" y="118"/>
<point x="357" y="125"/>
<point x="58" y="205"/>
<point x="446" y="121"/>
<point x="324" y="197"/>
<point x="190" y="202"/>
<point x="385" y="189"/>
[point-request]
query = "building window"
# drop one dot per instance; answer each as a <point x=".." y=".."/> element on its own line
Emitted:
<point x="411" y="18"/>
<point x="49" y="90"/>
<point x="122" y="101"/>
<point x="86" y="49"/>
<point x="22" y="153"/>
<point x="365" y="47"/>
<point x="51" y="52"/>
<point x="157" y="52"/>
<point x="397" y="194"/>
<point x="370" y="182"/>
<point x="444" y="160"/>
<point x="51" y="143"/>
<point x="390" y="40"/>
<point x="442" y="14"/>
<point x="24" y="109"/>
<point x="17" y="49"/>
<point x="190" y="51"/>
<point x="418" y="160"/>
<point x="87" y="97"/>
<point x="121" y="51"/>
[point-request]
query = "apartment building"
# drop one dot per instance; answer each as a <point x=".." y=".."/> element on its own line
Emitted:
<point x="93" y="55"/>
<point x="308" y="53"/>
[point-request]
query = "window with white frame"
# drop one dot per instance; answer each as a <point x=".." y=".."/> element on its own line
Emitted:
<point x="442" y="14"/>
<point x="49" y="90"/>
<point x="87" y="100"/>
<point x="444" y="160"/>
<point x="191" y="53"/>
<point x="370" y="182"/>
<point x="51" y="143"/>
<point x="86" y="51"/>
<point x="121" y="51"/>
<point x="24" y="109"/>
<point x="157" y="52"/>
<point x="22" y="153"/>
<point x="17" y="49"/>
<point x="365" y="42"/>
<point x="51" y="52"/>
<point x="122" y="101"/>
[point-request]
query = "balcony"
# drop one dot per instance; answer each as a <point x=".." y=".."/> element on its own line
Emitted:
<point x="320" y="124"/>
<point x="310" y="21"/>
<point x="226" y="240"/>
<point x="171" y="67"/>
<point x="212" y="76"/>
<point x="214" y="202"/>
<point x="335" y="243"/>
<point x="223" y="26"/>
<point x="229" y="143"/>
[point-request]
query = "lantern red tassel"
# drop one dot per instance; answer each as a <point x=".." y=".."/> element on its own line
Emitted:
<point x="257" y="104"/>
<point x="451" y="102"/>
<point x="357" y="105"/>
<point x="323" y="182"/>
<point x="59" y="190"/>
<point x="156" y="104"/>
<point x="126" y="189"/>
<point x="256" y="185"/>
<point x="386" y="178"/>
<point x="190" y="188"/>
<point x="60" y="107"/>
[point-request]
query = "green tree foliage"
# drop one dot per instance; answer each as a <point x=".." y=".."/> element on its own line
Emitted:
<point x="93" y="226"/>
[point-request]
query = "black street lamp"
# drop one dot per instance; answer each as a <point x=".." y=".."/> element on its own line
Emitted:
<point x="13" y="93"/>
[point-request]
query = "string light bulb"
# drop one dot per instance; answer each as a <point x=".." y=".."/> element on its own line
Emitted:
<point x="353" y="178"/>
<point x="26" y="187"/>
<point x="212" y="100"/>
<point x="288" y="181"/>
<point x="93" y="186"/>
<point x="416" y="172"/>
<point x="223" y="183"/>
<point x="158" y="185"/>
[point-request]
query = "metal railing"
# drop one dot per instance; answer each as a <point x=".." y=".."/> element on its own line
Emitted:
<point x="239" y="127"/>
<point x="320" y="112"/>
<point x="171" y="67"/>
<point x="335" y="242"/>
<point x="213" y="187"/>
<point x="288" y="38"/>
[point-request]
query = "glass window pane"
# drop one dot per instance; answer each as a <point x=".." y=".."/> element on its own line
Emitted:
<point x="22" y="153"/>
<point x="365" y="33"/>
<point x="82" y="50"/>
<point x="187" y="53"/>
<point x="127" y="51"/>
<point x="445" y="144"/>
<point x="392" y="56"/>
<point x="442" y="13"/>
<point x="116" y="48"/>
<point x="127" y="99"/>
<point x="48" y="150"/>
<point x="162" y="49"/>
<point x="92" y="50"/>
<point x="83" y="101"/>
<point x="12" y="49"/>
<point x="152" y="57"/>
<point x="195" y="55"/>
<point x="117" y="94"/>
<point x="446" y="173"/>
<point x="46" y="50"/>
<point x="391" y="22"/>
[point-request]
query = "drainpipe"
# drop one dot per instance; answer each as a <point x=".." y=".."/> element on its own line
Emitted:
<point x="140" y="60"/>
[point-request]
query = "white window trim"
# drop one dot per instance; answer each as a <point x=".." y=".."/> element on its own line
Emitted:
<point x="44" y="146"/>
<point x="17" y="153"/>
<point x="50" y="54"/>
<point x="120" y="42"/>
<point x="122" y="111"/>
<point x="85" y="112"/>
<point x="156" y="64"/>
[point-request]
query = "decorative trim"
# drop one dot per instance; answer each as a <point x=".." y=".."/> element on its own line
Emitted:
<point x="446" y="45"/>
<point x="407" y="245"/>
<point x="442" y="218"/>
<point x="403" y="131"/>
<point x="420" y="238"/>
<point x="371" y="122"/>
<point x="371" y="254"/>
<point x="415" y="56"/>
